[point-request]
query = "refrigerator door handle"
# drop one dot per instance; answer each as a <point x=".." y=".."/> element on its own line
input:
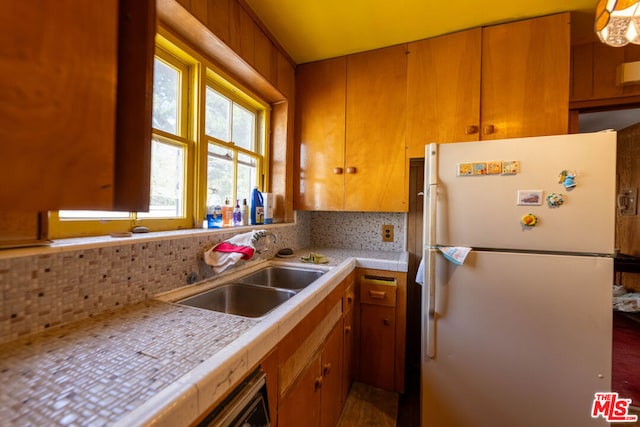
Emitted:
<point x="430" y="304"/>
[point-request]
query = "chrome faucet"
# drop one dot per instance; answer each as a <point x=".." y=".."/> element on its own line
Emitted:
<point x="261" y="234"/>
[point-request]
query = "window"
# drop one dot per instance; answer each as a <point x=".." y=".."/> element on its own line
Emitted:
<point x="229" y="145"/>
<point x="234" y="152"/>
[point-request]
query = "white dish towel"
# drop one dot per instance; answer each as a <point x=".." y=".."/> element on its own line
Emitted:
<point x="231" y="251"/>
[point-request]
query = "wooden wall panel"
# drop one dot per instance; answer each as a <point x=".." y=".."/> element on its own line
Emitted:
<point x="242" y="29"/>
<point x="218" y="12"/>
<point x="265" y="55"/>
<point x="628" y="227"/>
<point x="582" y="71"/>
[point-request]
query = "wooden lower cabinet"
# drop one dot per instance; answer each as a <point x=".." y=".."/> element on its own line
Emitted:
<point x="377" y="344"/>
<point x="315" y="397"/>
<point x="301" y="405"/>
<point x="380" y="328"/>
<point x="331" y="374"/>
<point x="310" y="364"/>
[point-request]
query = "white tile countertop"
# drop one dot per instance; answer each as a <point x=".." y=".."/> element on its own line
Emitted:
<point x="156" y="363"/>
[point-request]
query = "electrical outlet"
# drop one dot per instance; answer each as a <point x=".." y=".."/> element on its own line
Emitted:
<point x="387" y="233"/>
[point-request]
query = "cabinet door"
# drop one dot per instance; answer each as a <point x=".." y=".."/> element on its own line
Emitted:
<point x="320" y="133"/>
<point x="377" y="345"/>
<point x="58" y="66"/>
<point x="331" y="397"/>
<point x="75" y="121"/>
<point x="443" y="90"/>
<point x="375" y="131"/>
<point x="525" y="78"/>
<point x="301" y="404"/>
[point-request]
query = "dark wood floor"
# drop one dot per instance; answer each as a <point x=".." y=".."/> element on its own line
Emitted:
<point x="409" y="403"/>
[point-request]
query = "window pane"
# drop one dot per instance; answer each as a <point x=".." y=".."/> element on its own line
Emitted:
<point x="217" y="116"/>
<point x="93" y="215"/>
<point x="167" y="181"/>
<point x="246" y="177"/>
<point x="243" y="127"/>
<point x="166" y="89"/>
<point x="219" y="175"/>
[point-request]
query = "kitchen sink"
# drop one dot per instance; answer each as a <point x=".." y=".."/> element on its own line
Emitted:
<point x="241" y="299"/>
<point x="292" y="278"/>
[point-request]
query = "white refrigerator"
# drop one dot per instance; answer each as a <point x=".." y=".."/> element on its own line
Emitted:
<point x="519" y="334"/>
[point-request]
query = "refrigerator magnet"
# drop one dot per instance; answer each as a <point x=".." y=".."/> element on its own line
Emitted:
<point x="529" y="220"/>
<point x="529" y="197"/>
<point x="479" y="168"/>
<point x="568" y="179"/>
<point x="555" y="200"/>
<point x="494" y="168"/>
<point x="511" y="167"/>
<point x="465" y="169"/>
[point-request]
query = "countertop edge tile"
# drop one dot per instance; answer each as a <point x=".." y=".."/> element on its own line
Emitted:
<point x="181" y="403"/>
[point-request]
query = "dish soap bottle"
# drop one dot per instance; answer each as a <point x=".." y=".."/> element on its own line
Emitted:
<point x="214" y="217"/>
<point x="237" y="215"/>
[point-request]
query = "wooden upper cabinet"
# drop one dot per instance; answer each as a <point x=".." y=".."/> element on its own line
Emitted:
<point x="594" y="74"/>
<point x="505" y="81"/>
<point x="62" y="83"/>
<point x="525" y="78"/>
<point x="376" y="116"/>
<point x="320" y="135"/>
<point x="443" y="90"/>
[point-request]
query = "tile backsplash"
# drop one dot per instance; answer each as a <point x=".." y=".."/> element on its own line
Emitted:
<point x="79" y="278"/>
<point x="357" y="230"/>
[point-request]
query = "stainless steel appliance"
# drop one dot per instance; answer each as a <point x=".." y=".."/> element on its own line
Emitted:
<point x="246" y="406"/>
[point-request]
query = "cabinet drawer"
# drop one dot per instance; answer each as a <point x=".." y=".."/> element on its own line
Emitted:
<point x="378" y="290"/>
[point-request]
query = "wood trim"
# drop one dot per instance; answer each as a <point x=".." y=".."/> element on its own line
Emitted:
<point x="177" y="19"/>
<point x="605" y="102"/>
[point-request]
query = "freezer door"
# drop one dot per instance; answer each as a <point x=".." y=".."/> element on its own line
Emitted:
<point x="520" y="340"/>
<point x="483" y="210"/>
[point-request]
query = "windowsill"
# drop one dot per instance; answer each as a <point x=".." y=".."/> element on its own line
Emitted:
<point x="77" y="243"/>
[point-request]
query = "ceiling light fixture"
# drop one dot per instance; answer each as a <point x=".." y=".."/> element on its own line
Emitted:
<point x="618" y="22"/>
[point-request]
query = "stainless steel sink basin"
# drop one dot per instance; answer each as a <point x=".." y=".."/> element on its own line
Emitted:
<point x="240" y="298"/>
<point x="293" y="278"/>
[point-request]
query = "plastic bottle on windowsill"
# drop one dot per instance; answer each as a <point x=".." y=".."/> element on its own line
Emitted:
<point x="245" y="212"/>
<point x="227" y="214"/>
<point x="257" y="207"/>
<point x="237" y="215"/>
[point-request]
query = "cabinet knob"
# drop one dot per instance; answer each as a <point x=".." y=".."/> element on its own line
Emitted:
<point x="349" y="300"/>
<point x="351" y="169"/>
<point x="386" y="322"/>
<point x="337" y="171"/>
<point x="326" y="368"/>
<point x="488" y="129"/>
<point x="470" y="130"/>
<point x="318" y="382"/>
<point x="347" y="329"/>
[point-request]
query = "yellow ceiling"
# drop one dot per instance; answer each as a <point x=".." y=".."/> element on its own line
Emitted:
<point x="310" y="30"/>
